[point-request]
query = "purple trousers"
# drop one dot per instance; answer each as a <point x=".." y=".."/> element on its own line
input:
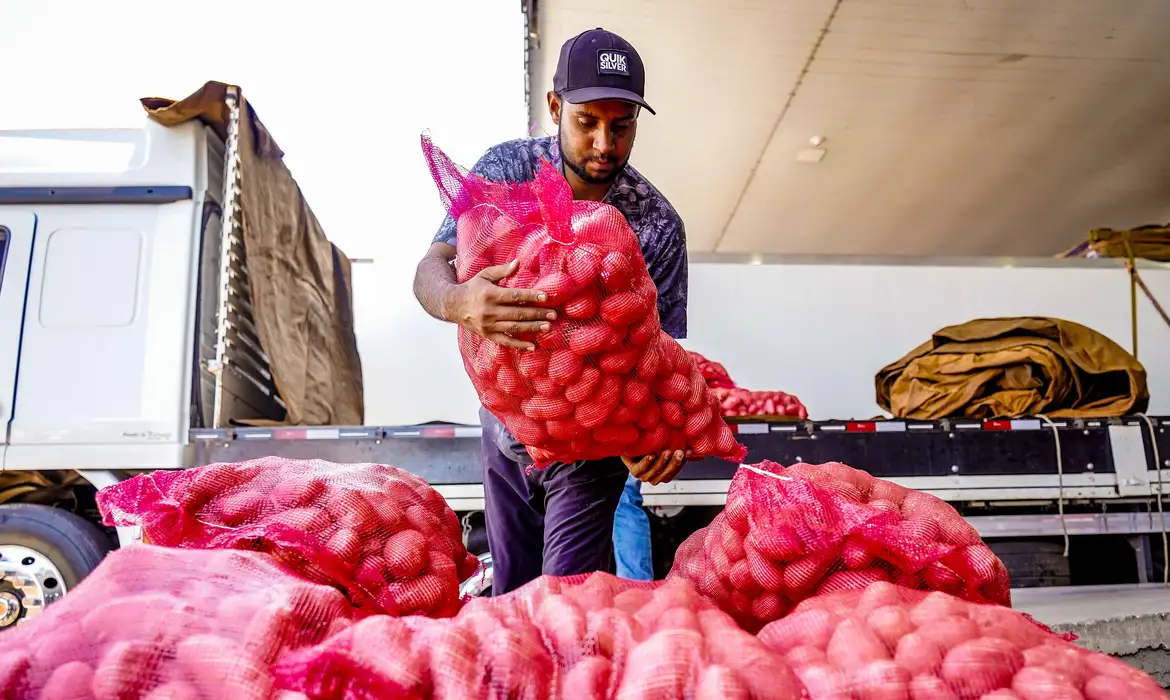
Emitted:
<point x="557" y="520"/>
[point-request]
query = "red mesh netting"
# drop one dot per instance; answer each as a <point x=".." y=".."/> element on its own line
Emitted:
<point x="381" y="533"/>
<point x="577" y="638"/>
<point x="169" y="624"/>
<point x="715" y="373"/>
<point x="789" y="533"/>
<point x="604" y="380"/>
<point x="745" y="402"/>
<point x="892" y="642"/>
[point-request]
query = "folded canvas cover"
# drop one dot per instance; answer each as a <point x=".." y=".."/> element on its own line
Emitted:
<point x="1010" y="367"/>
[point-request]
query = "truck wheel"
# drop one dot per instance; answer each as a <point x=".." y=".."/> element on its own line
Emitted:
<point x="44" y="553"/>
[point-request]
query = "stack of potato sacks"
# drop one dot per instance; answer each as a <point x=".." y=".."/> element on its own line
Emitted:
<point x="737" y="402"/>
<point x="295" y="579"/>
<point x="815" y="582"/>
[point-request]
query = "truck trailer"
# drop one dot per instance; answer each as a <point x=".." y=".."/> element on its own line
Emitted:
<point x="130" y="341"/>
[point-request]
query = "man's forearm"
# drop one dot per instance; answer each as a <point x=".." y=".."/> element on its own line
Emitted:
<point x="433" y="281"/>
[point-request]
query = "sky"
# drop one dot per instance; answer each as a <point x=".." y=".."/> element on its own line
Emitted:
<point x="346" y="88"/>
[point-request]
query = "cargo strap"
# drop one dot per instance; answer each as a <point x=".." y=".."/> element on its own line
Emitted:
<point x="1136" y="282"/>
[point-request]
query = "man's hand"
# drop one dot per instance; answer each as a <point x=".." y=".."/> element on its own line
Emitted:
<point x="496" y="313"/>
<point x="658" y="469"/>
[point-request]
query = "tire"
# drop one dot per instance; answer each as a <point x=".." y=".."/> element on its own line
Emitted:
<point x="74" y="545"/>
<point x="1033" y="563"/>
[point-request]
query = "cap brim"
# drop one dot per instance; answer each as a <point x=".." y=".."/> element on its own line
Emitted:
<point x="598" y="94"/>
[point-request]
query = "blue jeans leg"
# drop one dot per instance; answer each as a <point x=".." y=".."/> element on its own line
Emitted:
<point x="631" y="535"/>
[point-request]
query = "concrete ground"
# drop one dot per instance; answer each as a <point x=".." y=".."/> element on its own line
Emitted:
<point x="1130" y="622"/>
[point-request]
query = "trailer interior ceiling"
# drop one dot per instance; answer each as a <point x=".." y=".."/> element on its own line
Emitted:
<point x="948" y="127"/>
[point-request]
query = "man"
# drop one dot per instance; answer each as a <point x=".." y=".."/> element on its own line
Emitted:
<point x="560" y="519"/>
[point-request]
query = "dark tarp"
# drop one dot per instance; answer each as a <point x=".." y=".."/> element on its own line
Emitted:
<point x="301" y="285"/>
<point x="1010" y="367"/>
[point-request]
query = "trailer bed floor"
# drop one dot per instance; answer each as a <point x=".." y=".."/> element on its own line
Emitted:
<point x="1131" y="622"/>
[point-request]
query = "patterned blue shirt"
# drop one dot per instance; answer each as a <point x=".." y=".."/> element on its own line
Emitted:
<point x="658" y="227"/>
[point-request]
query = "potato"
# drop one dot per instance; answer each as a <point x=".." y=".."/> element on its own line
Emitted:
<point x="563" y="623"/>
<point x="70" y="681"/>
<point x="127" y="670"/>
<point x="824" y="683"/>
<point x="216" y="664"/>
<point x="1043" y="684"/>
<point x="63" y="642"/>
<point x="298" y="492"/>
<point x="1067" y="662"/>
<point x="241" y="507"/>
<point x="981" y="665"/>
<point x="767" y="573"/>
<point x="812" y="628"/>
<point x="947" y="632"/>
<point x="1112" y="687"/>
<point x="930" y="687"/>
<point x="353" y="511"/>
<point x="878" y="595"/>
<point x="720" y="683"/>
<point x="269" y="630"/>
<point x="456" y="650"/>
<point x="804" y="575"/>
<point x="1007" y="624"/>
<point x="174" y="690"/>
<point x="880" y="680"/>
<point x="588" y="679"/>
<point x="854" y="645"/>
<point x="611" y="632"/>
<point x="418" y="595"/>
<point x="405" y="554"/>
<point x="918" y="655"/>
<point x="936" y="605"/>
<point x="518" y="664"/>
<point x="890" y="624"/>
<point x="663" y="666"/>
<point x="309" y="519"/>
<point x="768" y="606"/>
<point x="806" y="656"/>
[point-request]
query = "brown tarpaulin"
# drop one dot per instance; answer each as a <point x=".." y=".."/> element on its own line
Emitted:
<point x="301" y="285"/>
<point x="1010" y="367"/>
<point x="1148" y="242"/>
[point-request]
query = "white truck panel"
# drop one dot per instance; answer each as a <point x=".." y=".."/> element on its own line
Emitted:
<point x="151" y="154"/>
<point x="820" y="330"/>
<point x="106" y="353"/>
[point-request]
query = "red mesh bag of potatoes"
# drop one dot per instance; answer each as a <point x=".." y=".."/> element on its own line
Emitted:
<point x="886" y="641"/>
<point x="169" y="624"/>
<point x="380" y="533"/>
<point x="745" y="402"/>
<point x="588" y="637"/>
<point x="712" y="371"/>
<point x="790" y="533"/>
<point x="604" y="380"/>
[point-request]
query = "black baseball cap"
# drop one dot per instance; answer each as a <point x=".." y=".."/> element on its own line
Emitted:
<point x="599" y="65"/>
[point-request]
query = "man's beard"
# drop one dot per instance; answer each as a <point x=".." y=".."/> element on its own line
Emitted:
<point x="579" y="168"/>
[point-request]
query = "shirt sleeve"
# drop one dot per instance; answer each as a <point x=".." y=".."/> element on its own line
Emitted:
<point x="670" y="273"/>
<point x="493" y="166"/>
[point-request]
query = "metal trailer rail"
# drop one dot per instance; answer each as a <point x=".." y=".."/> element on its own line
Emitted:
<point x="1015" y="462"/>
